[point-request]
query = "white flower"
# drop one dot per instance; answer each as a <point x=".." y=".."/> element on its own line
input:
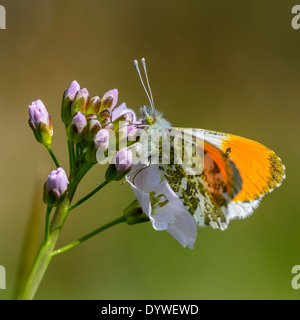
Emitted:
<point x="161" y="204"/>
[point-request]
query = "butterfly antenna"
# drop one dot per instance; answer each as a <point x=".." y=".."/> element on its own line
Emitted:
<point x="139" y="73"/>
<point x="146" y="75"/>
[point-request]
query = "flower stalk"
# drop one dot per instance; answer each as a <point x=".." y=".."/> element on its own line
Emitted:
<point x="47" y="223"/>
<point x="44" y="254"/>
<point x="89" y="235"/>
<point x="53" y="156"/>
<point x="79" y="202"/>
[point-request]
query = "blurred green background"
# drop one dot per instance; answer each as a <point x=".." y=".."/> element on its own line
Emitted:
<point x="231" y="66"/>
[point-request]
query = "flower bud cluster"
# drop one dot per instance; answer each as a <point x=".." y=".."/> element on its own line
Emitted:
<point x="91" y="121"/>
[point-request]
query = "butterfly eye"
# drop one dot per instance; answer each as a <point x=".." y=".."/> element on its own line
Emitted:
<point x="150" y="120"/>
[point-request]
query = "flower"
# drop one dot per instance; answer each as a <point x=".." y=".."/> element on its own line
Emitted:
<point x="80" y="101"/>
<point x="93" y="126"/>
<point x="102" y="139"/>
<point x="67" y="99"/>
<point x="55" y="186"/>
<point x="120" y="111"/>
<point x="78" y="127"/>
<point x="120" y="166"/>
<point x="127" y="134"/>
<point x="105" y="119"/>
<point x="108" y="103"/>
<point x="109" y="100"/>
<point x="106" y="132"/>
<point x="70" y="93"/>
<point x="40" y="122"/>
<point x="123" y="161"/>
<point x="93" y="106"/>
<point x="99" y="144"/>
<point x="162" y="205"/>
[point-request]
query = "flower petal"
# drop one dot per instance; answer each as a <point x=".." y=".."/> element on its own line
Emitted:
<point x="143" y="199"/>
<point x="145" y="178"/>
<point x="120" y="110"/>
<point x="162" y="205"/>
<point x="184" y="229"/>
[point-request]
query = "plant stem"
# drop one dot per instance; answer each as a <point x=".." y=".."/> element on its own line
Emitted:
<point x="71" y="155"/>
<point x="44" y="254"/>
<point x="53" y="156"/>
<point x="52" y="232"/>
<point x="81" y="172"/>
<point x="47" y="223"/>
<point x="89" y="235"/>
<point x="88" y="195"/>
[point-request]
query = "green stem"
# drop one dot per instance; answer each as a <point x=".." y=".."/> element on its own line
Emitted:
<point x="53" y="156"/>
<point x="72" y="159"/>
<point x="47" y="223"/>
<point x="88" y="195"/>
<point x="77" y="176"/>
<point x="52" y="232"/>
<point x="84" y="168"/>
<point x="89" y="235"/>
<point x="44" y="254"/>
<point x="77" y="151"/>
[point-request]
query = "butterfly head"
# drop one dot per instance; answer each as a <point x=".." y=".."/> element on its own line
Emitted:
<point x="153" y="118"/>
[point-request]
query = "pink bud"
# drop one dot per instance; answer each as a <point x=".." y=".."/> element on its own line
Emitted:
<point x="78" y="127"/>
<point x="109" y="99"/>
<point x="38" y="113"/>
<point x="55" y="186"/>
<point x="40" y="122"/>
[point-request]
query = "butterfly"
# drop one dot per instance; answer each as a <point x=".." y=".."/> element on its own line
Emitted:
<point x="236" y="174"/>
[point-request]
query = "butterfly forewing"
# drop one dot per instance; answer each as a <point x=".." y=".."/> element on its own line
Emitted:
<point x="208" y="189"/>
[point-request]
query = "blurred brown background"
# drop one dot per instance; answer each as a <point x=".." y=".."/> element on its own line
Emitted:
<point x="230" y="66"/>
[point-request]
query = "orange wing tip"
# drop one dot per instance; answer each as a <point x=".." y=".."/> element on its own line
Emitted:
<point x="269" y="176"/>
<point x="260" y="168"/>
<point x="242" y="209"/>
<point x="277" y="171"/>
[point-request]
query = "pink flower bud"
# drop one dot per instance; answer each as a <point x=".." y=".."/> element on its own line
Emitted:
<point x="80" y="101"/>
<point x="38" y="113"/>
<point x="40" y="122"/>
<point x="78" y="127"/>
<point x="123" y="161"/>
<point x="118" y="171"/>
<point x="93" y="126"/>
<point x="109" y="100"/>
<point x="55" y="186"/>
<point x="93" y="106"/>
<point x="68" y="97"/>
<point x="99" y="143"/>
<point x="102" y="139"/>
